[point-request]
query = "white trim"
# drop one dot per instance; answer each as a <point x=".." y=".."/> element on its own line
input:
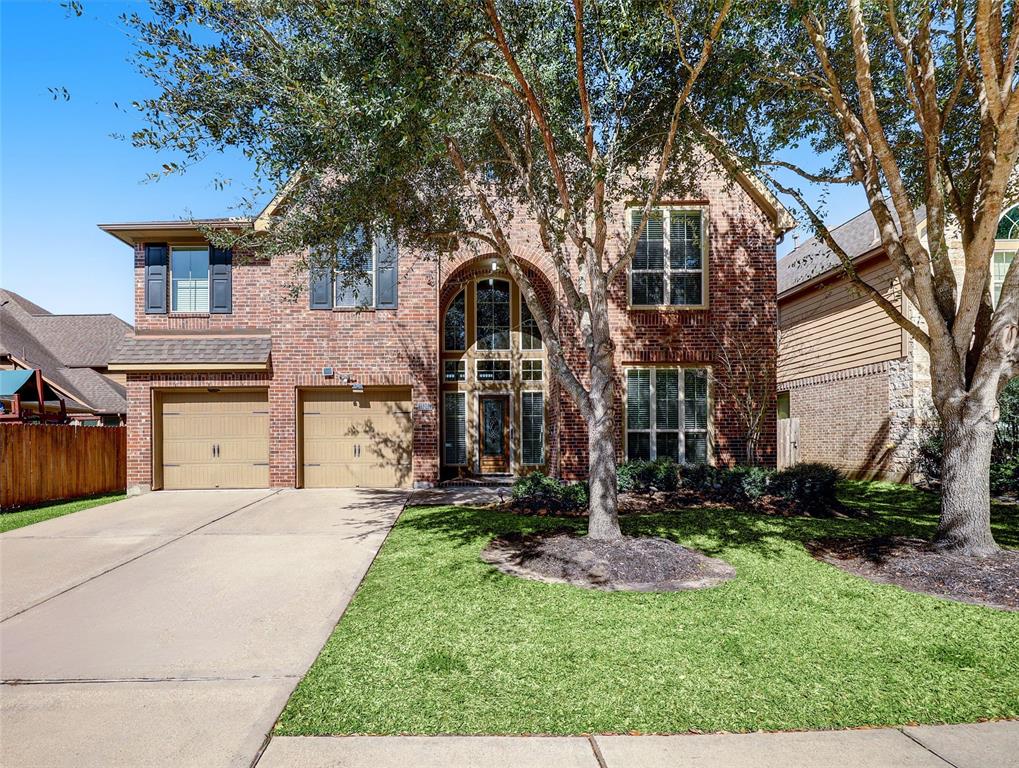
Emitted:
<point x="208" y="279"/>
<point x="509" y="369"/>
<point x="445" y="410"/>
<point x="666" y="271"/>
<point x="653" y="407"/>
<point x="544" y="423"/>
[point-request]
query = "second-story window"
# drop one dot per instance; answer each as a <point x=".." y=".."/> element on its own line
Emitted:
<point x="530" y="335"/>
<point x="454" y="325"/>
<point x="189" y="279"/>
<point x="493" y="322"/>
<point x="355" y="273"/>
<point x="668" y="265"/>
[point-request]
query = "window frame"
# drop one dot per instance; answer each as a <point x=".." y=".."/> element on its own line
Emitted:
<point x="194" y="247"/>
<point x="371" y="272"/>
<point x="477" y="308"/>
<point x="445" y="314"/>
<point x="529" y="320"/>
<point x="540" y="393"/>
<point x="493" y="361"/>
<point x="460" y="367"/>
<point x="652" y="429"/>
<point x="532" y="361"/>
<point x="466" y="426"/>
<point x="666" y="211"/>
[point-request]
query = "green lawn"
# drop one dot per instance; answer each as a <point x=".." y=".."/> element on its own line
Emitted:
<point x="22" y="517"/>
<point x="436" y="641"/>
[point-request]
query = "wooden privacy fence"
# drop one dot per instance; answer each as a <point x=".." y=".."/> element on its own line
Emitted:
<point x="788" y="442"/>
<point x="47" y="462"/>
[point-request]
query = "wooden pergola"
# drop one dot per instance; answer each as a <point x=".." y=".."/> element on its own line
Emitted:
<point x="27" y="385"/>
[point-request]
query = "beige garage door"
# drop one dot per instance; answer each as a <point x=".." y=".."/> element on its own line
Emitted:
<point x="356" y="438"/>
<point x="215" y="439"/>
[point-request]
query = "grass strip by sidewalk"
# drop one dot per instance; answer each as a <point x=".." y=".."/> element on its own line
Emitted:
<point x="436" y="641"/>
<point x="19" y="518"/>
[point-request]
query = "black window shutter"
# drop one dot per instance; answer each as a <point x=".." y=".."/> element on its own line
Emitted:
<point x="156" y="268"/>
<point x="220" y="280"/>
<point x="320" y="285"/>
<point x="386" y="268"/>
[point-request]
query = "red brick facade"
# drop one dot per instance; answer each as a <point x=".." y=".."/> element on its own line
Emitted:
<point x="402" y="346"/>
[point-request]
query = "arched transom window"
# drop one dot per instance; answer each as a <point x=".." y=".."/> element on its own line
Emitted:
<point x="454" y="326"/>
<point x="1008" y="227"/>
<point x="493" y="314"/>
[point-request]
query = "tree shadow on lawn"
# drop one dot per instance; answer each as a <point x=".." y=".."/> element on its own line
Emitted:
<point x="892" y="509"/>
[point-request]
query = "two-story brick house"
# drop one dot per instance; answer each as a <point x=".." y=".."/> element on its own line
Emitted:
<point x="429" y="369"/>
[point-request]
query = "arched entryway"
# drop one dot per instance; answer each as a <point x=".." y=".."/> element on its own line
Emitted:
<point x="496" y="412"/>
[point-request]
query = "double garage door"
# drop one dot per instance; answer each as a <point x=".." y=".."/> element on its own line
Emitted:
<point x="220" y="439"/>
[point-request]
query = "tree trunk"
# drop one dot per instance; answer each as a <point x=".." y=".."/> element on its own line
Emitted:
<point x="965" y="524"/>
<point x="603" y="508"/>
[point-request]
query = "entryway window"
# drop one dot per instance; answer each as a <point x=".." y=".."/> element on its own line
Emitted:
<point x="455" y="428"/>
<point x="532" y="428"/>
<point x="530" y="334"/>
<point x="454" y="325"/>
<point x="189" y="279"/>
<point x="667" y="414"/>
<point x="493" y="314"/>
<point x="668" y="265"/>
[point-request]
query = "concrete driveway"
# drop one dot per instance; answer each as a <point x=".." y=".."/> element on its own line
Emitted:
<point x="170" y="629"/>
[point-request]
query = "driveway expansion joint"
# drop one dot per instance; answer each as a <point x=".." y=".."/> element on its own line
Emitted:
<point x="597" y="751"/>
<point x="919" y="743"/>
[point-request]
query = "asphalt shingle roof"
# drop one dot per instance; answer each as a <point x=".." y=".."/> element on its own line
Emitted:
<point x="65" y="348"/>
<point x="858" y="236"/>
<point x="141" y="350"/>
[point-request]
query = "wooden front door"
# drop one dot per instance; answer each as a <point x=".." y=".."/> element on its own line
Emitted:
<point x="493" y="425"/>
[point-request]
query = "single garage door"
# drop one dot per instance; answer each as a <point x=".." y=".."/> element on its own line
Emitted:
<point x="356" y="438"/>
<point x="215" y="439"/>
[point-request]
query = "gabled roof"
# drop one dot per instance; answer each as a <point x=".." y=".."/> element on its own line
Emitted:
<point x="65" y="348"/>
<point x="859" y="237"/>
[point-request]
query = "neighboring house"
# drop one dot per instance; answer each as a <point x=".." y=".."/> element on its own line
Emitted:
<point x="426" y="370"/>
<point x="856" y="382"/>
<point x="72" y="352"/>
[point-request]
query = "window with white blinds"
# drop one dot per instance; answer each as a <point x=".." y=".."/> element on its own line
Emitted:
<point x="667" y="414"/>
<point x="532" y="428"/>
<point x="189" y="279"/>
<point x="455" y="428"/>
<point x="668" y="265"/>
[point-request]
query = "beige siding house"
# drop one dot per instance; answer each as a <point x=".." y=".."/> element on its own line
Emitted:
<point x="856" y="383"/>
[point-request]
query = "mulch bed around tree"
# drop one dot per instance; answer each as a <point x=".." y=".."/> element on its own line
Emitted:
<point x="913" y="565"/>
<point x="629" y="564"/>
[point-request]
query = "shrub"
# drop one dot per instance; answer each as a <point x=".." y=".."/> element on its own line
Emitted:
<point x="1005" y="477"/>
<point x="647" y="476"/>
<point x="756" y="482"/>
<point x="723" y="483"/>
<point x="810" y="486"/>
<point x="538" y="490"/>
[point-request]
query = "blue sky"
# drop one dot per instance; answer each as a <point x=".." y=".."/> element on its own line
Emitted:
<point x="62" y="172"/>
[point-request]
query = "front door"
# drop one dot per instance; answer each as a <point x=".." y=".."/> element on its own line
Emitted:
<point x="494" y="438"/>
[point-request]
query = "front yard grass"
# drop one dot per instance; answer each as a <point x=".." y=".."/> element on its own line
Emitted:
<point x="436" y="641"/>
<point x="22" y="517"/>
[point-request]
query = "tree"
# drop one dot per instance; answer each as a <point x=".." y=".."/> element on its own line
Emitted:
<point x="444" y="120"/>
<point x="914" y="101"/>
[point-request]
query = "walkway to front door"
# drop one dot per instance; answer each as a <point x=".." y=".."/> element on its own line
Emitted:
<point x="494" y="439"/>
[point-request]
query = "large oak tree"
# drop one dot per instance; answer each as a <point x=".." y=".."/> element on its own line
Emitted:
<point x="442" y="121"/>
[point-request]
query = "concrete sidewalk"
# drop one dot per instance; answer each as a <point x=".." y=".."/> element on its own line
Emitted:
<point x="982" y="745"/>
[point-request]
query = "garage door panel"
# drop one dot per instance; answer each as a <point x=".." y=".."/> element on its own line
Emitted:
<point x="215" y="439"/>
<point x="357" y="439"/>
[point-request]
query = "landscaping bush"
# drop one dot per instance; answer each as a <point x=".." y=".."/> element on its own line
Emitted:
<point x="1005" y="477"/>
<point x="810" y="486"/>
<point x="537" y="490"/>
<point x="647" y="476"/>
<point x="756" y="482"/>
